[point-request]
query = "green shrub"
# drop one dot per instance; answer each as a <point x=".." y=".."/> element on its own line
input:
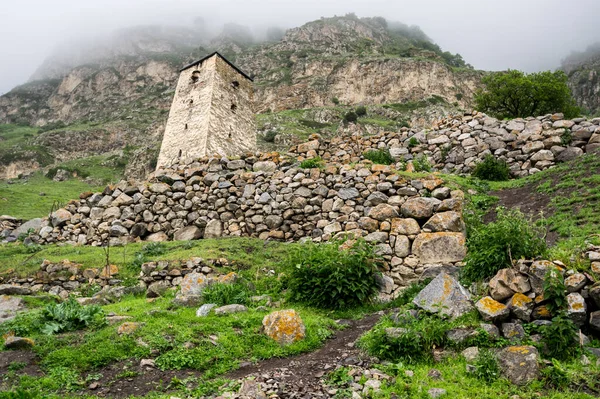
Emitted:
<point x="413" y="142"/>
<point x="269" y="136"/>
<point x="20" y="394"/>
<point x="223" y="294"/>
<point x="556" y="375"/>
<point x="361" y="111"/>
<point x="491" y="169"/>
<point x="554" y="291"/>
<point x="335" y="100"/>
<point x="311" y="163"/>
<point x="421" y="164"/>
<point x="351" y="117"/>
<point x="560" y="337"/>
<point x="70" y="316"/>
<point x="493" y="246"/>
<point x="324" y="276"/>
<point x="486" y="366"/>
<point x="566" y="137"/>
<point x="414" y="345"/>
<point x="381" y="157"/>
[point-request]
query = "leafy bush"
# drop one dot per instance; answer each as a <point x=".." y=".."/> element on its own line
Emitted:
<point x="491" y="169"/>
<point x="566" y="137"/>
<point x="223" y="294"/>
<point x="413" y="142"/>
<point x="269" y="136"/>
<point x="19" y="394"/>
<point x="311" y="163"/>
<point x="556" y="375"/>
<point x="324" y="276"/>
<point x="493" y="246"/>
<point x="335" y="100"/>
<point x="421" y="164"/>
<point x="486" y="366"/>
<point x="381" y="157"/>
<point x="554" y="291"/>
<point x="351" y="117"/>
<point x="560" y="337"/>
<point x="514" y="94"/>
<point x="70" y="316"/>
<point x="361" y="111"/>
<point x="414" y="345"/>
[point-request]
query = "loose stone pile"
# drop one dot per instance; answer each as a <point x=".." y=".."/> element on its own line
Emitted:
<point x="456" y="145"/>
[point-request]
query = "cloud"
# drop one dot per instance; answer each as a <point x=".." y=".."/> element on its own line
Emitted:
<point x="492" y="35"/>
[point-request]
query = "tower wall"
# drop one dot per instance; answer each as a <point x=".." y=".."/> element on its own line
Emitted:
<point x="211" y="114"/>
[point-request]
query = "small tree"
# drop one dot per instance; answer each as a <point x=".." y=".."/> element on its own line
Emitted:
<point x="514" y="94"/>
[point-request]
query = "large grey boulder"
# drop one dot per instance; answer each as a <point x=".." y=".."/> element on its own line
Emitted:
<point x="7" y="289"/>
<point x="187" y="233"/>
<point x="519" y="364"/>
<point x="33" y="224"/>
<point x="444" y="296"/>
<point x="9" y="306"/>
<point x="213" y="229"/>
<point x="444" y="247"/>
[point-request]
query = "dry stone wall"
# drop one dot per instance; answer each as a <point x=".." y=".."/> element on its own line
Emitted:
<point x="416" y="224"/>
<point x="456" y="145"/>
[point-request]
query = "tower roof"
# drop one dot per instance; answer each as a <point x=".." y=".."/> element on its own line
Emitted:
<point x="223" y="58"/>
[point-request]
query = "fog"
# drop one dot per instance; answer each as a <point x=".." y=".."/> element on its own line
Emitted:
<point x="529" y="35"/>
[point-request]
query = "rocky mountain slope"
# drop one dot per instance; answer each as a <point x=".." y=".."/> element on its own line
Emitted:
<point x="583" y="70"/>
<point x="125" y="88"/>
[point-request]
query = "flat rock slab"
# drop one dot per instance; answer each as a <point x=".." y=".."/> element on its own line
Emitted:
<point x="445" y="296"/>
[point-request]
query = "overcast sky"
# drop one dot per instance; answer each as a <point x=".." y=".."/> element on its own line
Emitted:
<point x="490" y="34"/>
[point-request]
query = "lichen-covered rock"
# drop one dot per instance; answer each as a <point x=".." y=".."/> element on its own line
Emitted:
<point x="445" y="296"/>
<point x="521" y="306"/>
<point x="491" y="310"/>
<point x="406" y="226"/>
<point x="519" y="364"/>
<point x="575" y="282"/>
<point x="284" y="326"/>
<point x="383" y="212"/>
<point x="128" y="328"/>
<point x="513" y="331"/>
<point x="577" y="308"/>
<point x="12" y="342"/>
<point x="439" y="247"/>
<point x="213" y="229"/>
<point x="194" y="283"/>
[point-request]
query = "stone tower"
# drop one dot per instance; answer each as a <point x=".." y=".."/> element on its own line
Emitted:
<point x="211" y="113"/>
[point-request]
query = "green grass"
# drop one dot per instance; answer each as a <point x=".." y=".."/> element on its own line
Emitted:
<point x="219" y="343"/>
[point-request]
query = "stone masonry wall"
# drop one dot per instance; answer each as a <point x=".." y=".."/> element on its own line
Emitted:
<point x="456" y="145"/>
<point x="416" y="224"/>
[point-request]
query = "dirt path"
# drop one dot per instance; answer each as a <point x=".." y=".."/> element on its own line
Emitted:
<point x="296" y="376"/>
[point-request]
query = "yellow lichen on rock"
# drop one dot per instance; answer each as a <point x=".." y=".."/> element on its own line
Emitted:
<point x="284" y="326"/>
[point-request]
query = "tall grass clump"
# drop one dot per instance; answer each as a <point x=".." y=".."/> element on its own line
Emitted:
<point x="380" y="157"/>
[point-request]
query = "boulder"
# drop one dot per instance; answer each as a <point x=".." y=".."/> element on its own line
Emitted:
<point x="157" y="289"/>
<point x="60" y="217"/>
<point x="569" y="154"/>
<point x="8" y="289"/>
<point x="444" y="247"/>
<point x="491" y="310"/>
<point x="9" y="306"/>
<point x="31" y="225"/>
<point x="213" y="229"/>
<point x="577" y="308"/>
<point x="230" y="309"/>
<point x="575" y="282"/>
<point x="12" y="342"/>
<point x="419" y="207"/>
<point x="383" y="212"/>
<point x="521" y="306"/>
<point x="284" y="326"/>
<point x="595" y="320"/>
<point x="506" y="283"/>
<point x="188" y="233"/>
<point x="407" y="227"/>
<point x="205" y="309"/>
<point x="194" y="283"/>
<point x="519" y="364"/>
<point x="161" y="236"/>
<point x="128" y="328"/>
<point x="348" y="193"/>
<point x="513" y="331"/>
<point x="308" y="146"/>
<point x="445" y="296"/>
<point x="445" y="221"/>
